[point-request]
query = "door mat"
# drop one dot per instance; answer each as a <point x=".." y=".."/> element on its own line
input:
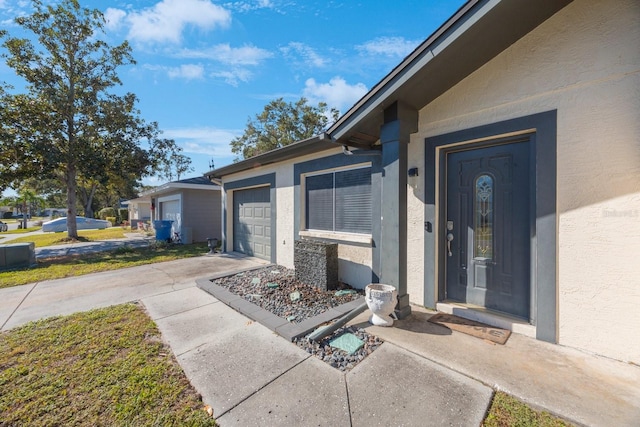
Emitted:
<point x="470" y="327"/>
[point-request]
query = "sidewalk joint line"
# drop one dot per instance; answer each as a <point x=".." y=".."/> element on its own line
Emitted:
<point x="19" y="305"/>
<point x="264" y="386"/>
<point x="183" y="311"/>
<point x="346" y="389"/>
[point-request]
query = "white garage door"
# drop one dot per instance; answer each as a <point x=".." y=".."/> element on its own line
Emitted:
<point x="252" y="222"/>
<point x="171" y="211"/>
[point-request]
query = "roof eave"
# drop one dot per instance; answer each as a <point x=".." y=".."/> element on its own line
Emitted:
<point x="173" y="186"/>
<point x="475" y="34"/>
<point x="311" y="145"/>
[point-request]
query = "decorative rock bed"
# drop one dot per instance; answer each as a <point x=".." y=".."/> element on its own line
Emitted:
<point x="336" y="357"/>
<point x="277" y="290"/>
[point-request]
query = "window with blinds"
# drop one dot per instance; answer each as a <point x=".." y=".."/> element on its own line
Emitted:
<point x="339" y="201"/>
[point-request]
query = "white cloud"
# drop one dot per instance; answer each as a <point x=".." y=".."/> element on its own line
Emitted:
<point x="187" y="71"/>
<point x="308" y="56"/>
<point x="12" y="10"/>
<point x="114" y="18"/>
<point x="248" y="6"/>
<point x="233" y="76"/>
<point x="245" y="55"/>
<point x="396" y="47"/>
<point x="209" y="141"/>
<point x="165" y="21"/>
<point x="184" y="71"/>
<point x="337" y="93"/>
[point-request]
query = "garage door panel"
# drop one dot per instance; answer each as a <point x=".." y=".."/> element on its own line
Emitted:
<point x="252" y="222"/>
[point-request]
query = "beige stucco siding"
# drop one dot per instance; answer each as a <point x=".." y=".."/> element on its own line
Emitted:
<point x="583" y="62"/>
<point x="354" y="261"/>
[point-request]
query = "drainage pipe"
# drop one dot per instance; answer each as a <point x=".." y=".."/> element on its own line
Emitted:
<point x="318" y="334"/>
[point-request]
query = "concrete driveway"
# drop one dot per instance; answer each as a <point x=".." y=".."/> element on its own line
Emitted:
<point x="421" y="375"/>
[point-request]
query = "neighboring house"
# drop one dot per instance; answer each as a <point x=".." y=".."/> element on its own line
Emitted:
<point x="139" y="210"/>
<point x="192" y="204"/>
<point x="494" y="173"/>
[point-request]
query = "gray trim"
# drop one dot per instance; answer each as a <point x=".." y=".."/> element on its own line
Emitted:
<point x="255" y="181"/>
<point x="312" y="145"/>
<point x="544" y="142"/>
<point x="337" y="161"/>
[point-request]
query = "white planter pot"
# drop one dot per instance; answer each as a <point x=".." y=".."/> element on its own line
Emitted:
<point x="381" y="300"/>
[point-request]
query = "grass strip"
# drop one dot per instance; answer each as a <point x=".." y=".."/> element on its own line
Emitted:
<point x="103" y="367"/>
<point x="507" y="411"/>
<point x="22" y="230"/>
<point x="78" y="265"/>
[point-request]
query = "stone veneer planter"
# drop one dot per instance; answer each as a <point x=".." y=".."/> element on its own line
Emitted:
<point x="316" y="263"/>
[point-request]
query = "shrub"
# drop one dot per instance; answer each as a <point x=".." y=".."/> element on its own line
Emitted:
<point x="111" y="219"/>
<point x="107" y="212"/>
<point x="123" y="214"/>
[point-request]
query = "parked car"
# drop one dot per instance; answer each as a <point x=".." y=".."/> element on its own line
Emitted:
<point x="3" y="226"/>
<point x="60" y="224"/>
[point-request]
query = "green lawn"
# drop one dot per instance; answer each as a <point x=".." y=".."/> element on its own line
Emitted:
<point x="507" y="411"/>
<point x="102" y="367"/>
<point x="57" y="268"/>
<point x="21" y="230"/>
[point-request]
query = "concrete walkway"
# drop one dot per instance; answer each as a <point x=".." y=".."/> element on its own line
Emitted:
<point x="422" y="375"/>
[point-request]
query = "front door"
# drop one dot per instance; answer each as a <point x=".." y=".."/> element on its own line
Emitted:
<point x="488" y="227"/>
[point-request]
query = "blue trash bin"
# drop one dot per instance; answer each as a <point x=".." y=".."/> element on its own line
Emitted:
<point x="163" y="230"/>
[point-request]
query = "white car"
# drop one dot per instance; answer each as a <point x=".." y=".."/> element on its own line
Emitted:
<point x="60" y="224"/>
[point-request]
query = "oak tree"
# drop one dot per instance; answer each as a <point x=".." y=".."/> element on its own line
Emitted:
<point x="282" y="123"/>
<point x="69" y="123"/>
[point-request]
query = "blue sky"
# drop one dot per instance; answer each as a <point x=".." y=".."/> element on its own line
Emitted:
<point x="205" y="67"/>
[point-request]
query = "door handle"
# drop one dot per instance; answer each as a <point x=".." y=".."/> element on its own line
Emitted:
<point x="449" y="240"/>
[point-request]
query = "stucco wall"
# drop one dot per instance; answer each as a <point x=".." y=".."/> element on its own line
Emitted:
<point x="354" y="261"/>
<point x="583" y="62"/>
<point x="140" y="210"/>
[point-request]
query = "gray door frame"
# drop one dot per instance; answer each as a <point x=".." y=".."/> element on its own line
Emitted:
<point x="541" y="128"/>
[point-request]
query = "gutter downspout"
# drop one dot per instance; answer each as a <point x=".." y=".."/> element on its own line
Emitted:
<point x="360" y="152"/>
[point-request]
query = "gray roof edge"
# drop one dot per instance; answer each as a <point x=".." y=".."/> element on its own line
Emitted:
<point x="178" y="185"/>
<point x="377" y="94"/>
<point x="311" y="145"/>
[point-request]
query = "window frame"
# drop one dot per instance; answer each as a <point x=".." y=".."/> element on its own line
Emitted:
<point x="356" y="237"/>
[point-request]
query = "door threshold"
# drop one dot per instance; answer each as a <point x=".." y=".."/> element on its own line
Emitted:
<point x="492" y="318"/>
